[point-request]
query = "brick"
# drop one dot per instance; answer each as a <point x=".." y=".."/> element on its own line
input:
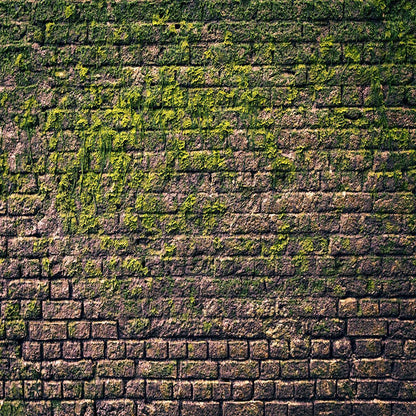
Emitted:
<point x="238" y="350"/>
<point x="157" y="349"/>
<point x="329" y="369"/>
<point x="404" y="369"/>
<point x="320" y="348"/>
<point x="242" y="390"/>
<point x="218" y="349"/>
<point x="79" y="330"/>
<point x="245" y="408"/>
<point x="197" y="350"/>
<point x="116" y="407"/>
<point x="294" y="369"/>
<point x="59" y="289"/>
<point x="221" y="390"/>
<point x="72" y="389"/>
<point x="194" y="409"/>
<point x="270" y="369"/>
<point x="135" y="389"/>
<point x="366" y="327"/>
<point x="202" y="390"/>
<point x="52" y="390"/>
<point x="157" y="369"/>
<point x="182" y="390"/>
<point x="372" y="368"/>
<point x="367" y="348"/>
<point x="234" y="370"/>
<point x="115" y="368"/>
<point x="259" y="350"/>
<point x="301" y="409"/>
<point x="116" y="350"/>
<point x="326" y="389"/>
<point x="104" y="330"/>
<point x="279" y="349"/>
<point x="134" y="349"/>
<point x="197" y="369"/>
<point x="45" y="331"/>
<point x="71" y="350"/>
<point x="93" y="349"/>
<point x="177" y="349"/>
<point x="342" y="348"/>
<point x="31" y="351"/>
<point x="94" y="389"/>
<point x="159" y="390"/>
<point x="303" y="390"/>
<point x="275" y="408"/>
<point x="160" y="408"/>
<point x="61" y="370"/>
<point x="263" y="389"/>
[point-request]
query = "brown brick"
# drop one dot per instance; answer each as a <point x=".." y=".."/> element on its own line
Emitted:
<point x="279" y="349"/>
<point x="159" y="389"/>
<point x="45" y="331"/>
<point x="367" y="327"/>
<point x="242" y="390"/>
<point x="242" y="409"/>
<point x="135" y="389"/>
<point x="199" y="369"/>
<point x="329" y="368"/>
<point x="157" y="369"/>
<point x="259" y="350"/>
<point x="182" y="390"/>
<point x="294" y="369"/>
<point x="372" y="368"/>
<point x="202" y="390"/>
<point x="115" y="368"/>
<point x="221" y="390"/>
<point x="93" y="349"/>
<point x="270" y="369"/>
<point x="194" y="409"/>
<point x="79" y="330"/>
<point x="177" y="349"/>
<point x="218" y="349"/>
<point x="263" y="390"/>
<point x="71" y="350"/>
<point x="156" y="349"/>
<point x="63" y="309"/>
<point x="234" y="370"/>
<point x="104" y="330"/>
<point x="238" y="350"/>
<point x="134" y="349"/>
<point x="116" y="350"/>
<point x="94" y="389"/>
<point x="197" y="350"/>
<point x="347" y="307"/>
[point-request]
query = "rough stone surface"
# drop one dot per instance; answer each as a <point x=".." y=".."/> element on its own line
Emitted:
<point x="207" y="207"/>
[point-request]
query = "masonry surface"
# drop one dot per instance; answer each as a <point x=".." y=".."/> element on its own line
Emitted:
<point x="207" y="208"/>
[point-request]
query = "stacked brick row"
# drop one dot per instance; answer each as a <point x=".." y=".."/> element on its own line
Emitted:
<point x="207" y="208"/>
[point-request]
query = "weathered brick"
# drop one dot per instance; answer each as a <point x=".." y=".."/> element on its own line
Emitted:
<point x="372" y="368"/>
<point x="156" y="369"/>
<point x="104" y="330"/>
<point x="366" y="327"/>
<point x="239" y="409"/>
<point x="115" y="368"/>
<point x="294" y="369"/>
<point x="199" y="369"/>
<point x="44" y="331"/>
<point x="234" y="370"/>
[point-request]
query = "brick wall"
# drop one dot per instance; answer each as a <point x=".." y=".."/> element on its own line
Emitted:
<point x="207" y="208"/>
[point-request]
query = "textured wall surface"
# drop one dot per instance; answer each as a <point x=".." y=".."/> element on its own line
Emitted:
<point x="207" y="208"/>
